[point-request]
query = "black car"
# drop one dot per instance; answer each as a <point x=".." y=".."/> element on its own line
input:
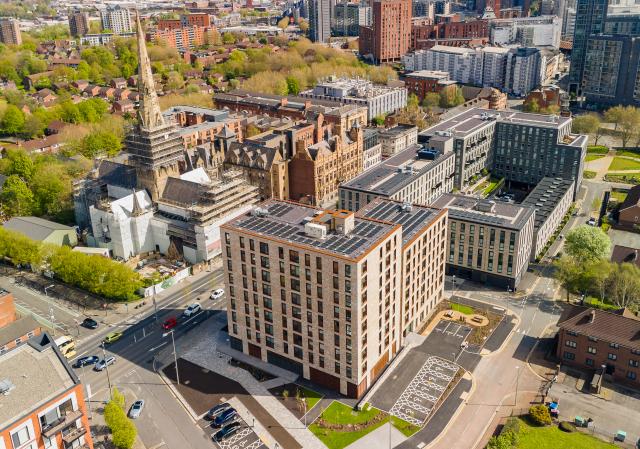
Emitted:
<point x="226" y="432"/>
<point x="87" y="360"/>
<point x="217" y="410"/>
<point x="226" y="417"/>
<point x="90" y="323"/>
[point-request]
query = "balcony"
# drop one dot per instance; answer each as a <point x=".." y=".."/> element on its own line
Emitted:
<point x="74" y="435"/>
<point x="61" y="423"/>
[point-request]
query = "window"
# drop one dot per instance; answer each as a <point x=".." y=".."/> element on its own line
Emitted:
<point x="294" y="256"/>
<point x="611" y="356"/>
<point x="270" y="342"/>
<point x="591" y="350"/>
<point x="570" y="343"/>
<point x="21" y="436"/>
<point x="264" y="248"/>
<point x="264" y="261"/>
<point x="633" y="363"/>
<point x="588" y="361"/>
<point x="631" y="375"/>
<point x="569" y="355"/>
<point x="614" y="345"/>
<point x="593" y="339"/>
<point x="297" y="352"/>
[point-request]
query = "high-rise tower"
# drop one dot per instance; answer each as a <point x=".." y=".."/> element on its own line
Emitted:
<point x="154" y="145"/>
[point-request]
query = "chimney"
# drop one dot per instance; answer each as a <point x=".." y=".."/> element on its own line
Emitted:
<point x="592" y="316"/>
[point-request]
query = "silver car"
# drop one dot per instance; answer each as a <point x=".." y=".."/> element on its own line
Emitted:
<point x="102" y="364"/>
<point x="136" y="409"/>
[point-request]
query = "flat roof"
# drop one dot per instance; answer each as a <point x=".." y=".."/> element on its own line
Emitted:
<point x="485" y="212"/>
<point x="546" y="196"/>
<point x="397" y="130"/>
<point x="394" y="173"/>
<point x="38" y="373"/>
<point x="474" y="119"/>
<point x="286" y="221"/>
<point x="413" y="218"/>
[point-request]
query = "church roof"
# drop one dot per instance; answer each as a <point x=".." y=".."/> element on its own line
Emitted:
<point x="181" y="191"/>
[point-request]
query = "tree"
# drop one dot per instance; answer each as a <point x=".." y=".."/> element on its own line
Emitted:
<point x="12" y="121"/>
<point x="303" y="25"/>
<point x="293" y="86"/>
<point x="624" y="285"/>
<point x="122" y="428"/>
<point x="16" y="198"/>
<point x="175" y="81"/>
<point x="413" y="101"/>
<point x="284" y="23"/>
<point x="431" y="100"/>
<point x="100" y="143"/>
<point x="597" y="275"/>
<point x="252" y="130"/>
<point x="614" y="115"/>
<point x="378" y="120"/>
<point x="228" y="39"/>
<point x="587" y="124"/>
<point x="568" y="273"/>
<point x="531" y="106"/>
<point x="451" y="96"/>
<point x="629" y="124"/>
<point x="33" y="127"/>
<point x="540" y="415"/>
<point x="18" y="248"/>
<point x="51" y="191"/>
<point x="20" y="164"/>
<point x="587" y="244"/>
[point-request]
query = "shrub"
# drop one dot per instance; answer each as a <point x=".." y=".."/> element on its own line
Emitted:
<point x="597" y="149"/>
<point x="588" y="174"/>
<point x="539" y="414"/>
<point x="506" y="440"/>
<point x="512" y="425"/>
<point x="122" y="428"/>
<point x="566" y="426"/>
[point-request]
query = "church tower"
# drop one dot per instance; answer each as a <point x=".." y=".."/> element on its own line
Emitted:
<point x="154" y="145"/>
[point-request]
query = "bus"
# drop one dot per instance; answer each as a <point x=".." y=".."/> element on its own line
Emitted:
<point x="67" y="346"/>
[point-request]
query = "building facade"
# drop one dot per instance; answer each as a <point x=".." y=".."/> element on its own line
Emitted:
<point x="389" y="36"/>
<point x="78" y="23"/>
<point x="117" y="19"/>
<point x="422" y="82"/>
<point x="45" y="407"/>
<point x="540" y="31"/>
<point x="320" y="20"/>
<point x="397" y="138"/>
<point x="10" y="31"/>
<point x="489" y="242"/>
<point x="349" y="17"/>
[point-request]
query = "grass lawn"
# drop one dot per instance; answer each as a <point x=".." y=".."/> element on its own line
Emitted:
<point x="462" y="308"/>
<point x="597" y="149"/>
<point x="311" y="397"/>
<point x="629" y="153"/>
<point x="618" y="196"/>
<point x="553" y="438"/>
<point x="338" y="413"/>
<point x="593" y="157"/>
<point x="588" y="174"/>
<point x="493" y="183"/>
<point x="624" y="164"/>
<point x="627" y="178"/>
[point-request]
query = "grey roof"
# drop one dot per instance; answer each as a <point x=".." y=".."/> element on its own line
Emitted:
<point x="484" y="212"/>
<point x="39" y="374"/>
<point x="386" y="178"/>
<point x="471" y="120"/>
<point x="412" y="218"/>
<point x="119" y="174"/>
<point x="34" y="227"/>
<point x="286" y="221"/>
<point x="546" y="196"/>
<point x="397" y="130"/>
<point x="181" y="191"/>
<point x="19" y="328"/>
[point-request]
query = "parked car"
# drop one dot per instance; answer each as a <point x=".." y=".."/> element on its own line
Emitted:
<point x="102" y="364"/>
<point x="226" y="432"/>
<point x="113" y="336"/>
<point x="192" y="310"/>
<point x="90" y="323"/>
<point x="136" y="409"/>
<point x="226" y="417"/>
<point x="217" y="293"/>
<point x="591" y="221"/>
<point x="215" y="411"/>
<point x="170" y="323"/>
<point x="87" y="360"/>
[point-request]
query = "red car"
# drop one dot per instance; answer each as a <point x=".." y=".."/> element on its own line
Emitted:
<point x="170" y="323"/>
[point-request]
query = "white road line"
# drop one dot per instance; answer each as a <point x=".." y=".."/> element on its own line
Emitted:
<point x="159" y="346"/>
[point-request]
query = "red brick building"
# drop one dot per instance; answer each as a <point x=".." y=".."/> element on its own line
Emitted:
<point x="14" y="330"/>
<point x="596" y="340"/>
<point x="7" y="308"/>
<point x="425" y="36"/>
<point x="422" y="82"/>
<point x="389" y="37"/>
<point x="44" y="403"/>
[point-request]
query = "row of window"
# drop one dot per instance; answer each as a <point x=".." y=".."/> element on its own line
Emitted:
<point x="631" y="375"/>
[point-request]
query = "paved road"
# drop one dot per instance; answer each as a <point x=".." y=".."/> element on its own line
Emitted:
<point x="164" y="422"/>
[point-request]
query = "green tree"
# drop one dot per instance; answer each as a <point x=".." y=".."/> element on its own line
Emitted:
<point x="451" y="96"/>
<point x="303" y="25"/>
<point x="33" y="127"/>
<point x="100" y="143"/>
<point x="624" y="285"/>
<point x="431" y="100"/>
<point x="123" y="430"/>
<point x="16" y="198"/>
<point x="228" y="39"/>
<point x="293" y="86"/>
<point x="587" y="244"/>
<point x="629" y="124"/>
<point x="69" y="112"/>
<point x="283" y="23"/>
<point x="585" y="124"/>
<point x="531" y="106"/>
<point x="18" y="248"/>
<point x="614" y="115"/>
<point x="51" y="191"/>
<point x="175" y="81"/>
<point x="12" y="121"/>
<point x="540" y="415"/>
<point x="20" y="164"/>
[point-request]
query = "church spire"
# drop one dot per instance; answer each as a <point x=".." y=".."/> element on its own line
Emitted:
<point x="149" y="111"/>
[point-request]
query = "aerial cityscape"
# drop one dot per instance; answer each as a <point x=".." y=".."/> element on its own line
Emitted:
<point x="442" y="199"/>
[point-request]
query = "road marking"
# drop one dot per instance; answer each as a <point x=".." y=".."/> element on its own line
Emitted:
<point x="159" y="346"/>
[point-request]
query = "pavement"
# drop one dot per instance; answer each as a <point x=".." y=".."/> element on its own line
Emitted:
<point x="384" y="436"/>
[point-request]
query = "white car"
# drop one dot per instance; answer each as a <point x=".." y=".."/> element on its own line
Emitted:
<point x="217" y="293"/>
<point x="591" y="222"/>
<point x="192" y="310"/>
<point x="136" y="409"/>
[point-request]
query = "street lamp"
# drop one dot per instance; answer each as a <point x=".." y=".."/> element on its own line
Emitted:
<point x="53" y="324"/>
<point x="515" y="401"/>
<point x="47" y="288"/>
<point x="106" y="365"/>
<point x="175" y="354"/>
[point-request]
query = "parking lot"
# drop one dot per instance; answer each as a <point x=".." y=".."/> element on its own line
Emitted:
<point x="245" y="438"/>
<point x="423" y="392"/>
<point x="452" y="329"/>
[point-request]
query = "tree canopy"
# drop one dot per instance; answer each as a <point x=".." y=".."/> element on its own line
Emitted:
<point x="587" y="243"/>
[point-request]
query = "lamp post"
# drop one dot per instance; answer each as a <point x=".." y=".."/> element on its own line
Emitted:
<point x="515" y="400"/>
<point x="175" y="354"/>
<point x="104" y="355"/>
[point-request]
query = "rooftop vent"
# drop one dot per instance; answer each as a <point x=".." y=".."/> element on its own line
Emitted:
<point x="6" y="386"/>
<point x="485" y="206"/>
<point x="315" y="230"/>
<point x="259" y="212"/>
<point x="406" y="207"/>
<point x="592" y="316"/>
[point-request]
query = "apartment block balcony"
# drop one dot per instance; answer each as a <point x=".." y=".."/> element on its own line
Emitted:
<point x="61" y="423"/>
<point x="73" y="435"/>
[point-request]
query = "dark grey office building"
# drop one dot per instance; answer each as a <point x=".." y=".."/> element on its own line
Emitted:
<point x="319" y="20"/>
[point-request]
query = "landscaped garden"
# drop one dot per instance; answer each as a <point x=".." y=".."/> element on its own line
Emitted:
<point x="296" y="398"/>
<point x="461" y="308"/>
<point x="588" y="174"/>
<point x="339" y="425"/>
<point x="593" y="157"/>
<point x="597" y="149"/>
<point x="621" y="163"/>
<point x="618" y="196"/>
<point x="624" y="178"/>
